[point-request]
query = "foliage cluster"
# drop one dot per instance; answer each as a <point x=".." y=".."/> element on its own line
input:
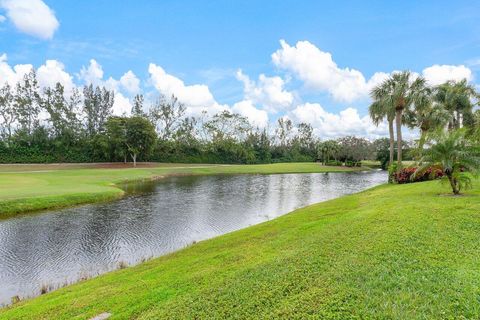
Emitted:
<point x="409" y="174"/>
<point x="447" y="120"/>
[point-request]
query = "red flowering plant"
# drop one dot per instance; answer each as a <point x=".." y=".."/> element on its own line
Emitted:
<point x="410" y="174"/>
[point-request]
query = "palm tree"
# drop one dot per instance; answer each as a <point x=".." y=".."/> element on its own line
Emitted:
<point x="456" y="98"/>
<point x="378" y="111"/>
<point x="426" y="115"/>
<point x="328" y="149"/>
<point x="399" y="91"/>
<point x="452" y="153"/>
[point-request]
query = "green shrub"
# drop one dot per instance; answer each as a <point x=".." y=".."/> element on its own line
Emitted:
<point x="333" y="163"/>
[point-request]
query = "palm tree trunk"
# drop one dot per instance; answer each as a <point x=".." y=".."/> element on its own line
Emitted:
<point x="421" y="141"/>
<point x="392" y="141"/>
<point x="453" y="184"/>
<point x="398" y="119"/>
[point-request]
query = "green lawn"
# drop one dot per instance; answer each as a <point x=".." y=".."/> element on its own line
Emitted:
<point x="392" y="252"/>
<point x="35" y="187"/>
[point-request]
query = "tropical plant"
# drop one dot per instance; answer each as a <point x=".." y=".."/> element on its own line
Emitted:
<point x="426" y="115"/>
<point x="327" y="150"/>
<point x="408" y="175"/>
<point x="454" y="154"/>
<point x="399" y="92"/>
<point x="476" y="128"/>
<point x="456" y="98"/>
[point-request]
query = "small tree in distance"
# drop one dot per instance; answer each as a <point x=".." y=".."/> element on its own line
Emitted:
<point x="140" y="137"/>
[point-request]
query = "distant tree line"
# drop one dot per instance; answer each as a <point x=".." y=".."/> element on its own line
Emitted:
<point x="50" y="125"/>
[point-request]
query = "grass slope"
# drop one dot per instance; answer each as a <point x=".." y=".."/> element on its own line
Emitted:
<point x="35" y="187"/>
<point x="392" y="252"/>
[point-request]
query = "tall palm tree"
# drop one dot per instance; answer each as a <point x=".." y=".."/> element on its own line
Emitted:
<point x="379" y="110"/>
<point x="399" y="91"/>
<point x="456" y="98"/>
<point x="452" y="153"/>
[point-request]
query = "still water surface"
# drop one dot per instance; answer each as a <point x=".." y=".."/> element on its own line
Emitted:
<point x="57" y="247"/>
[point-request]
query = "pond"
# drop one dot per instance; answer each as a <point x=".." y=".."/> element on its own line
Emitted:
<point x="54" y="248"/>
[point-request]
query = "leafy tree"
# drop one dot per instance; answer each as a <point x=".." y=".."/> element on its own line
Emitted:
<point x="382" y="151"/>
<point x="453" y="153"/>
<point x="26" y="103"/>
<point x="353" y="149"/>
<point x="283" y="131"/>
<point x="140" y="137"/>
<point x="137" y="109"/>
<point x="73" y="114"/>
<point x="98" y="104"/>
<point x="167" y="115"/>
<point x="226" y="125"/>
<point x="116" y="133"/>
<point x="305" y="138"/>
<point x="53" y="101"/>
<point x="187" y="131"/>
<point x="7" y="111"/>
<point x="259" y="141"/>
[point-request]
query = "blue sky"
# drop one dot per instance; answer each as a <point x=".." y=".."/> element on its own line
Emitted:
<point x="206" y="43"/>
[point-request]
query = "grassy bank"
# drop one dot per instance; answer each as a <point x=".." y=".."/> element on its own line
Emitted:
<point x="393" y="252"/>
<point x="26" y="188"/>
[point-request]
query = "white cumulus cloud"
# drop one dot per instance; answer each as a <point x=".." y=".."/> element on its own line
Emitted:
<point x="130" y="82"/>
<point x="268" y="92"/>
<point x="257" y="117"/>
<point x="197" y="97"/>
<point x="32" y="17"/>
<point x="438" y="74"/>
<point x="318" y="70"/>
<point x="92" y="74"/>
<point x="52" y="72"/>
<point x="12" y="75"/>
<point x="330" y="125"/>
<point x="121" y="104"/>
